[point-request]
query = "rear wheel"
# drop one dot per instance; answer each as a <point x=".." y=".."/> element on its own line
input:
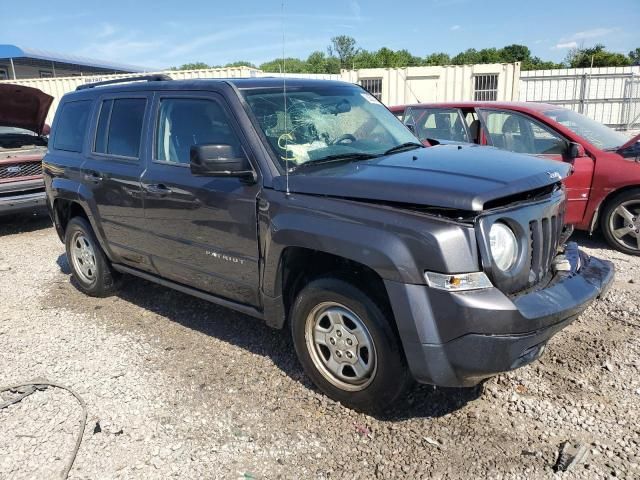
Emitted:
<point x="347" y="346"/>
<point x="620" y="222"/>
<point x="89" y="265"/>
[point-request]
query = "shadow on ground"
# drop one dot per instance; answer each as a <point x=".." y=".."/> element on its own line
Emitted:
<point x="23" y="223"/>
<point x="595" y="240"/>
<point x="253" y="335"/>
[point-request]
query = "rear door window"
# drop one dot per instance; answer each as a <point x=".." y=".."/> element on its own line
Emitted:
<point x="438" y="124"/>
<point x="71" y="126"/>
<point x="120" y="127"/>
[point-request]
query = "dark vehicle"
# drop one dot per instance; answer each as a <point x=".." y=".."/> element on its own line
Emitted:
<point x="23" y="143"/>
<point x="311" y="206"/>
<point x="604" y="189"/>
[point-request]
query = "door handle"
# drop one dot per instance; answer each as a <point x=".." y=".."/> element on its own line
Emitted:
<point x="158" y="189"/>
<point x="93" y="177"/>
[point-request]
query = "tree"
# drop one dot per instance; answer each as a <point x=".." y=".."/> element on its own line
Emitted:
<point x="345" y="48"/>
<point x="192" y="66"/>
<point x="291" y="65"/>
<point x="597" y="56"/>
<point x="515" y="53"/>
<point x="634" y="56"/>
<point x="468" y="57"/>
<point x="240" y="63"/>
<point x="437" y="59"/>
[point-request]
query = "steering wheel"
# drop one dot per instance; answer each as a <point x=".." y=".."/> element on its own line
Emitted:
<point x="343" y="138"/>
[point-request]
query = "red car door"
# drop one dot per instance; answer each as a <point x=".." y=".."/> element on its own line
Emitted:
<point x="517" y="132"/>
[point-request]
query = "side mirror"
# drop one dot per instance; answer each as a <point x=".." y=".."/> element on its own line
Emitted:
<point x="219" y="160"/>
<point x="575" y="150"/>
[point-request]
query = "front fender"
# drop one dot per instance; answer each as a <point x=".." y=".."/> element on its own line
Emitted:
<point x="399" y="245"/>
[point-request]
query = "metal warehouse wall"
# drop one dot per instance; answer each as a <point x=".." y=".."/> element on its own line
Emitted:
<point x="610" y="95"/>
<point x="437" y="84"/>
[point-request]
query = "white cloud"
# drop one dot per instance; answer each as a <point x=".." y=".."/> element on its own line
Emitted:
<point x="355" y="9"/>
<point x="214" y="39"/>
<point x="566" y="45"/>
<point x="106" y="30"/>
<point x="593" y="33"/>
<point x="455" y="27"/>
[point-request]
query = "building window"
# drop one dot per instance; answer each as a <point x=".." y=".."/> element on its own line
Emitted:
<point x="486" y="87"/>
<point x="373" y="86"/>
<point x="46" y="74"/>
<point x="4" y="74"/>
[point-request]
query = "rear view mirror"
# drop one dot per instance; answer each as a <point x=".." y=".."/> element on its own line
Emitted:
<point x="46" y="130"/>
<point x="411" y="127"/>
<point x="219" y="160"/>
<point x="575" y="150"/>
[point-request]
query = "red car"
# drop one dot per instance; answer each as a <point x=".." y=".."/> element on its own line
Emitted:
<point x="604" y="188"/>
<point x="23" y="143"/>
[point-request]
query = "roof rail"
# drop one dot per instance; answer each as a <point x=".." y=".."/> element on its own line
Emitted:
<point x="158" y="77"/>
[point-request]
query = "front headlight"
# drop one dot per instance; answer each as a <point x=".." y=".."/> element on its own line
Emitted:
<point x="504" y="246"/>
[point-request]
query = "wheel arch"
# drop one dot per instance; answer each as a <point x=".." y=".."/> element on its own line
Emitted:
<point x="595" y="221"/>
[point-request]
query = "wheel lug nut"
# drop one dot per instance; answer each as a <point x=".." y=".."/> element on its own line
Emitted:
<point x="349" y="355"/>
<point x="339" y="333"/>
<point x="349" y="342"/>
<point x="332" y="341"/>
<point x="338" y="354"/>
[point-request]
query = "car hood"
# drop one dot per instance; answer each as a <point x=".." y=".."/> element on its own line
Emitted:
<point x="23" y="107"/>
<point x="445" y="176"/>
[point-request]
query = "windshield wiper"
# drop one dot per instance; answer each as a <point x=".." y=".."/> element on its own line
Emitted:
<point x="341" y="157"/>
<point x="403" y="146"/>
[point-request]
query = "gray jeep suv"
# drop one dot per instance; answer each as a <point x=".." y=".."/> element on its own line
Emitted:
<point x="308" y="205"/>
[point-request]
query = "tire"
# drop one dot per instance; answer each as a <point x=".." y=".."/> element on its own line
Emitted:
<point x="620" y="222"/>
<point x="90" y="268"/>
<point x="375" y="374"/>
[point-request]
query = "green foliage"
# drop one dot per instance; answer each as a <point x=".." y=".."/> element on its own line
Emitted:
<point x="345" y="48"/>
<point x="241" y="63"/>
<point x="597" y="56"/>
<point x="344" y="53"/>
<point x="437" y="59"/>
<point x="291" y="65"/>
<point x="192" y="66"/>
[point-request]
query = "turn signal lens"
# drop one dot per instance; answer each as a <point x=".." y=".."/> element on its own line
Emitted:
<point x="457" y="282"/>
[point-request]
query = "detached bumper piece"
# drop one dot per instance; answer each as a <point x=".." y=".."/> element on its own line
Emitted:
<point x="494" y="333"/>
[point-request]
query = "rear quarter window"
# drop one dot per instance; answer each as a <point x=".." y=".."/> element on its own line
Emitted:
<point x="71" y="126"/>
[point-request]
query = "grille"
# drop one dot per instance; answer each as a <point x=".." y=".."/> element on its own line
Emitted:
<point x="538" y="227"/>
<point x="545" y="239"/>
<point x="19" y="170"/>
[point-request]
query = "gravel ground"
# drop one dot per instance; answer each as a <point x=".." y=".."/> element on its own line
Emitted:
<point x="177" y="387"/>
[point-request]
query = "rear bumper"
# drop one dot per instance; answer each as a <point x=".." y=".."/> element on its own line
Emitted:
<point x="459" y="339"/>
<point x="22" y="202"/>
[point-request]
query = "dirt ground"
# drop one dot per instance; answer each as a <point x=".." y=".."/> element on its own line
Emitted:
<point x="179" y="388"/>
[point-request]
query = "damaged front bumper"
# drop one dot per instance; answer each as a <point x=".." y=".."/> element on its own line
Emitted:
<point x="458" y="339"/>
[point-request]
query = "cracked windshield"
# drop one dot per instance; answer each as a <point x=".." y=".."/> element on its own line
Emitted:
<point x="325" y="124"/>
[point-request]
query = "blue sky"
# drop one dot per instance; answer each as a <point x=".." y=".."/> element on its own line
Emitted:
<point x="165" y="33"/>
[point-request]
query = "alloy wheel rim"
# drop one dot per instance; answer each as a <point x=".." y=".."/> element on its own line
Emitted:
<point x="341" y="346"/>
<point x="83" y="257"/>
<point x="624" y="224"/>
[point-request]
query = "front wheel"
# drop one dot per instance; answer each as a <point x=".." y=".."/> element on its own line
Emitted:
<point x="89" y="265"/>
<point x="620" y="222"/>
<point x="347" y="345"/>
